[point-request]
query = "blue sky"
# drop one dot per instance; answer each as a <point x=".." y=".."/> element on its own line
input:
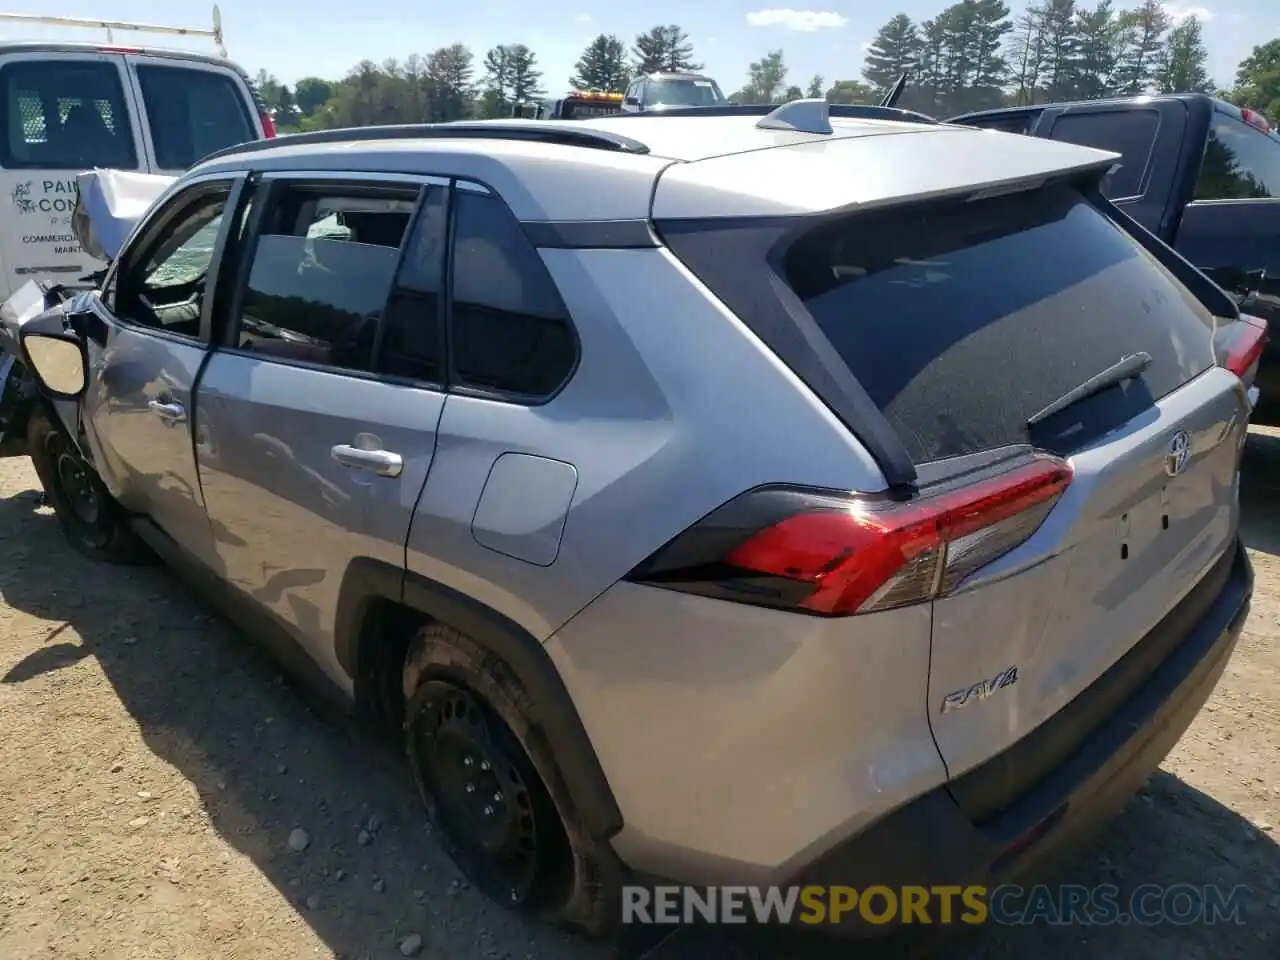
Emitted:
<point x="294" y="38"/>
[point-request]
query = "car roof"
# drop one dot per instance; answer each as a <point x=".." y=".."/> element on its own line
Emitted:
<point x="689" y="139"/>
<point x="606" y="168"/>
<point x="81" y="46"/>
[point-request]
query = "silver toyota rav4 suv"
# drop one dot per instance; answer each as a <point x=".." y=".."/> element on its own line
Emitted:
<point x="729" y="497"/>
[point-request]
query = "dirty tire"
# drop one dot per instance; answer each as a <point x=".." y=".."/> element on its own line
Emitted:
<point x="454" y="687"/>
<point x="99" y="531"/>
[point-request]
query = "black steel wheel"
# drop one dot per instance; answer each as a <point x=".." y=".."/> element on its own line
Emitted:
<point x="92" y="522"/>
<point x="482" y="792"/>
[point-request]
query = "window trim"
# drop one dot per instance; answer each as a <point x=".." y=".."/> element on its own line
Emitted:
<point x="123" y="78"/>
<point x="148" y="231"/>
<point x="510" y="397"/>
<point x="269" y="186"/>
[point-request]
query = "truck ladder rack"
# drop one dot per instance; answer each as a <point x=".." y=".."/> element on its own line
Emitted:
<point x="110" y="25"/>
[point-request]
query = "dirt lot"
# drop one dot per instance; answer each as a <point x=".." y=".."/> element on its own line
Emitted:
<point x="154" y="765"/>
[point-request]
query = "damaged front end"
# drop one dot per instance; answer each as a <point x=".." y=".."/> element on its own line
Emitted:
<point x="109" y="206"/>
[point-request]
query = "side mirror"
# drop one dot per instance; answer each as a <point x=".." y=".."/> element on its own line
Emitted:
<point x="632" y="101"/>
<point x="59" y="362"/>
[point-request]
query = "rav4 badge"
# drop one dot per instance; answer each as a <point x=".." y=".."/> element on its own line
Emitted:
<point x="981" y="690"/>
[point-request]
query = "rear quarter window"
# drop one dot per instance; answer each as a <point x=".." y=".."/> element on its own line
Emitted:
<point x="1130" y="133"/>
<point x="192" y="113"/>
<point x="65" y="114"/>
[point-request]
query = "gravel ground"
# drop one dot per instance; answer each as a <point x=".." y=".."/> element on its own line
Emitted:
<point x="165" y="793"/>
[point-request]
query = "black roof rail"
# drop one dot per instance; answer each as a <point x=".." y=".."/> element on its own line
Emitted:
<point x="567" y="133"/>
<point x="851" y="111"/>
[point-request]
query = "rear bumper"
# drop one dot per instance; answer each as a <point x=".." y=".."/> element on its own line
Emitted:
<point x="933" y="841"/>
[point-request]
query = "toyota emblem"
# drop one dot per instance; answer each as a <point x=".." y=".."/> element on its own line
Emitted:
<point x="1175" y="461"/>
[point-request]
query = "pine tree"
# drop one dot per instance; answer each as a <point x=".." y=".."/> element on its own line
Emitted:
<point x="1185" y="58"/>
<point x="525" y="77"/>
<point x="602" y="66"/>
<point x="894" y="51"/>
<point x="450" y="70"/>
<point x="664" y="49"/>
<point x="1143" y="33"/>
<point x="1098" y="32"/>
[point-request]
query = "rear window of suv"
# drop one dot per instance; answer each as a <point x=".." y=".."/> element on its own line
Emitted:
<point x="192" y="113"/>
<point x="961" y="320"/>
<point x="64" y="114"/>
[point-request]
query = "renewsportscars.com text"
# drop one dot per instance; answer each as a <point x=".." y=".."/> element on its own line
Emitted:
<point x="1061" y="905"/>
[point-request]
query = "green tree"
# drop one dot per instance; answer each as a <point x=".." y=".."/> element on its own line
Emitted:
<point x="1184" y="67"/>
<point x="894" y="51"/>
<point x="1027" y="56"/>
<point x="1142" y="37"/>
<point x="1061" y="49"/>
<point x="602" y="66"/>
<point x="526" y="78"/>
<point x="311" y="93"/>
<point x="817" y="87"/>
<point x="450" y="71"/>
<point x="850" y="91"/>
<point x="664" y="49"/>
<point x="765" y="80"/>
<point x="1258" y="80"/>
<point x="1099" y="34"/>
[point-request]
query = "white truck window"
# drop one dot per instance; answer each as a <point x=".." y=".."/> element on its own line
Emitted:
<point x="65" y="115"/>
<point x="192" y="113"/>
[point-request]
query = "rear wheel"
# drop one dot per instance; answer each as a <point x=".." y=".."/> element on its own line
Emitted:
<point x="91" y="520"/>
<point x="467" y="735"/>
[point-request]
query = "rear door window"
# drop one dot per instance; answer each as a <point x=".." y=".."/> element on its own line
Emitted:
<point x="192" y="113"/>
<point x="1130" y="133"/>
<point x="962" y="320"/>
<point x="322" y="269"/>
<point x="1240" y="162"/>
<point x="65" y="114"/>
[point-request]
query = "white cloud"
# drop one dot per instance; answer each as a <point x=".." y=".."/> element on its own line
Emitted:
<point x="1180" y="11"/>
<point x="802" y="21"/>
<point x="584" y="18"/>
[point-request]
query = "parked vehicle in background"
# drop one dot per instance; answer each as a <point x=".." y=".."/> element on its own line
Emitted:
<point x="478" y="459"/>
<point x="66" y="107"/>
<point x="656" y="91"/>
<point x="1199" y="173"/>
<point x="581" y="105"/>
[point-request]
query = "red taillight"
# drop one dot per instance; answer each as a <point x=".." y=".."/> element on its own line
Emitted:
<point x="1247" y="345"/>
<point x="839" y="556"/>
<point x="268" y="126"/>
<point x="1255" y="119"/>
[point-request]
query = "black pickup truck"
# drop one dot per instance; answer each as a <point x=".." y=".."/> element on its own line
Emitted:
<point x="1202" y="175"/>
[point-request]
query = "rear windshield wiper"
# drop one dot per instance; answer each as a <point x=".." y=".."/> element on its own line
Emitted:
<point x="1125" y="369"/>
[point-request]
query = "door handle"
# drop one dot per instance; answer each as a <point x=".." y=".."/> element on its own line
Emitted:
<point x="382" y="462"/>
<point x="172" y="412"/>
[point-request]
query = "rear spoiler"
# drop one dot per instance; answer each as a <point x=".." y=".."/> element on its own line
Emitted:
<point x="109" y="25"/>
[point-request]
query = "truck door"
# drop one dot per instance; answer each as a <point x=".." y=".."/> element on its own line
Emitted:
<point x="1147" y="135"/>
<point x="1231" y="230"/>
<point x="63" y="113"/>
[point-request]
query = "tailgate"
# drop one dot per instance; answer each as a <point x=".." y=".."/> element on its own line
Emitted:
<point x="1149" y="512"/>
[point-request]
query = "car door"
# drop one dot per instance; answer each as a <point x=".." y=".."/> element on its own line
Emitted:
<point x="321" y="403"/>
<point x="149" y="350"/>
